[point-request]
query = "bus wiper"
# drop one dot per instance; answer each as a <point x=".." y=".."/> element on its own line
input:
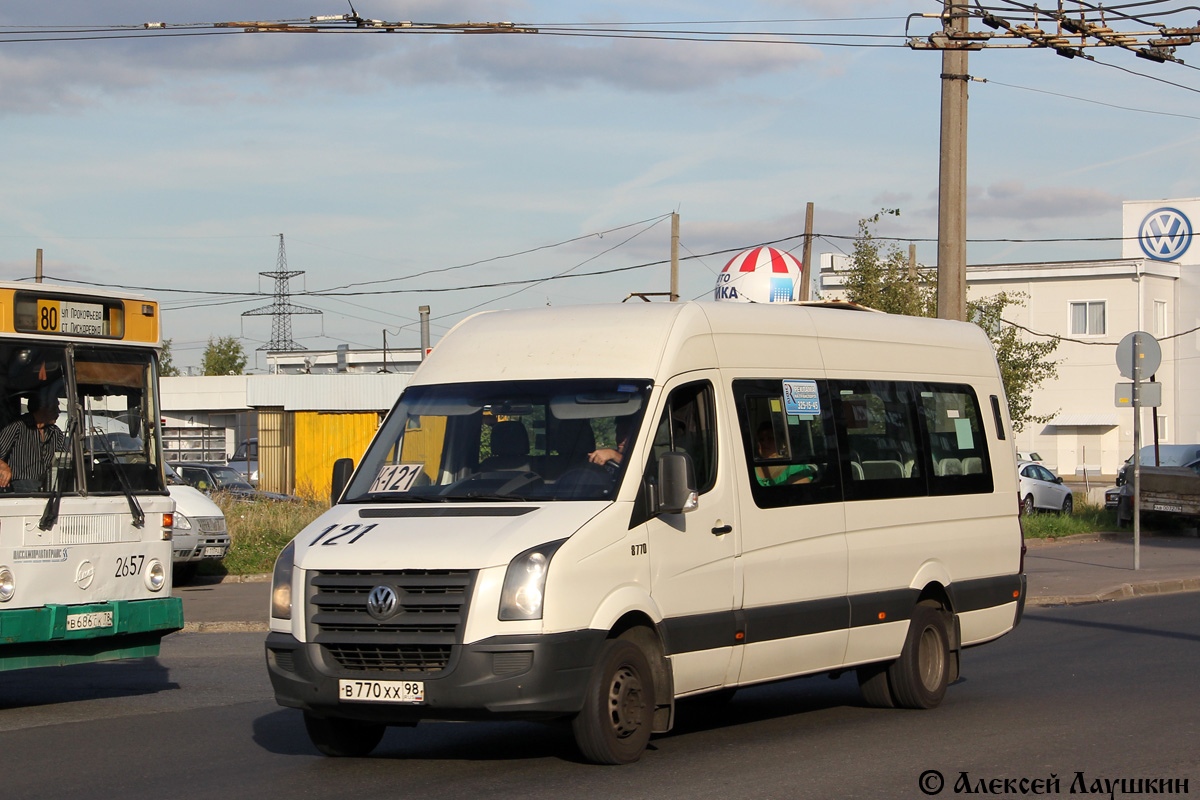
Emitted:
<point x="50" y="512"/>
<point x="135" y="509"/>
<point x="472" y="496"/>
<point x="399" y="497"/>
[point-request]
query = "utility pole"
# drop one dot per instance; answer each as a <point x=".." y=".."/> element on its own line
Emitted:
<point x="37" y="267"/>
<point x="952" y="180"/>
<point x="674" y="258"/>
<point x="806" y="277"/>
<point x="1067" y="32"/>
<point x="423" y="312"/>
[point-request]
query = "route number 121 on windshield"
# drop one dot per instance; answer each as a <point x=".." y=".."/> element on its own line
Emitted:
<point x="396" y="478"/>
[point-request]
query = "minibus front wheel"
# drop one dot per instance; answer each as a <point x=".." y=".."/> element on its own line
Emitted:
<point x="343" y="737"/>
<point x="618" y="710"/>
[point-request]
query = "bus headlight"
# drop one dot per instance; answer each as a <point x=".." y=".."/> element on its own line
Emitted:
<point x="8" y="584"/>
<point x="156" y="576"/>
<point x="281" y="583"/>
<point x="525" y="583"/>
<point x="182" y="523"/>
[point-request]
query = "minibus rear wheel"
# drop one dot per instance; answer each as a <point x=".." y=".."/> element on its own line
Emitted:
<point x="343" y="737"/>
<point x="615" y="722"/>
<point x="918" y="679"/>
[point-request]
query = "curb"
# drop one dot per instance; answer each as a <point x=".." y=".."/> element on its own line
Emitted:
<point x="199" y="580"/>
<point x="224" y="627"/>
<point x="1125" y="591"/>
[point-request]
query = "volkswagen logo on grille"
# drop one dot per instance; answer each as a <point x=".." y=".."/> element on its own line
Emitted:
<point x="382" y="602"/>
<point x="1165" y="234"/>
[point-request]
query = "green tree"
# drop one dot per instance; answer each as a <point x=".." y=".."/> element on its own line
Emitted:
<point x="1024" y="365"/>
<point x="166" y="364"/>
<point x="223" y="356"/>
<point x="882" y="279"/>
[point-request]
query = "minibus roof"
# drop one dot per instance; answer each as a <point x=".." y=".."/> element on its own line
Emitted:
<point x="658" y="340"/>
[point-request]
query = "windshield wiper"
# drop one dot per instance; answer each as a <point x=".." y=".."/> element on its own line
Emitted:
<point x="50" y="512"/>
<point x="472" y="496"/>
<point x="398" y="497"/>
<point x="135" y="509"/>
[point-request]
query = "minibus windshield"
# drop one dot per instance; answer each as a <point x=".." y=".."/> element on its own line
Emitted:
<point x="503" y="441"/>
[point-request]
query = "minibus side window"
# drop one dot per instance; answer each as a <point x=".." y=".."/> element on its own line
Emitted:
<point x="791" y="457"/>
<point x="957" y="444"/>
<point x="878" y="439"/>
<point x="688" y="424"/>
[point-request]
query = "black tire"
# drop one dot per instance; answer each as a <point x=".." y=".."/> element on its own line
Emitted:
<point x="1027" y="506"/>
<point x="343" y="737"/>
<point x="872" y="680"/>
<point x="614" y="724"/>
<point x="1068" y="505"/>
<point x="918" y="679"/>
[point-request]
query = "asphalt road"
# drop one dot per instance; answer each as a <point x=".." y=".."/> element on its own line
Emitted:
<point x="1107" y="690"/>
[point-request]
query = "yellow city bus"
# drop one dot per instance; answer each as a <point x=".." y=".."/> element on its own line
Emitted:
<point x="85" y="517"/>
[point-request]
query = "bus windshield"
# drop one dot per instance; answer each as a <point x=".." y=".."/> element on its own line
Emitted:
<point x="78" y="419"/>
<point x="516" y="440"/>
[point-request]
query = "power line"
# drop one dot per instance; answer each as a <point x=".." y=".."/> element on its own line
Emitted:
<point x="332" y="293"/>
<point x="1084" y="99"/>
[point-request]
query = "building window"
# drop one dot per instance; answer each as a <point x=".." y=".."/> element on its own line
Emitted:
<point x="1088" y="318"/>
<point x="1160" y="318"/>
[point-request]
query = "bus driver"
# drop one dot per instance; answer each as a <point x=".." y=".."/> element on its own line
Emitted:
<point x="28" y="445"/>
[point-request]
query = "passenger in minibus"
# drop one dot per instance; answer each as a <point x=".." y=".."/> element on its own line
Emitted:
<point x="778" y="474"/>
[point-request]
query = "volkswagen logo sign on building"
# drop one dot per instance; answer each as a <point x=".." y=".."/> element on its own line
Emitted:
<point x="1165" y="234"/>
<point x="382" y="602"/>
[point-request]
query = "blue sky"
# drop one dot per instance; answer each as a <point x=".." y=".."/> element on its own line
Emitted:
<point x="174" y="163"/>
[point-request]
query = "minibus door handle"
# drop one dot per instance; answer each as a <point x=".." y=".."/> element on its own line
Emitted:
<point x="722" y="530"/>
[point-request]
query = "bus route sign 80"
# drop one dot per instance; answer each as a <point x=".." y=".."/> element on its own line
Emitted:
<point x="68" y="316"/>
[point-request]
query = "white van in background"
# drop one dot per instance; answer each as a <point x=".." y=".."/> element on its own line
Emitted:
<point x="199" y="533"/>
<point x="588" y="513"/>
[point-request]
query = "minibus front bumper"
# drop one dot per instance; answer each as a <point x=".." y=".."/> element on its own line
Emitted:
<point x="514" y="677"/>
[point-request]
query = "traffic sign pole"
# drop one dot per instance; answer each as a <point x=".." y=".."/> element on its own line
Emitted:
<point x="1138" y="354"/>
<point x="1137" y="451"/>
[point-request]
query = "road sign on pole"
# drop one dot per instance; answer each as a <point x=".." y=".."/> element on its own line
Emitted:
<point x="1149" y="354"/>
<point x="1138" y="355"/>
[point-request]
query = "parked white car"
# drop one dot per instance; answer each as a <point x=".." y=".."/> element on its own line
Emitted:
<point x="1042" y="490"/>
<point x="200" y="533"/>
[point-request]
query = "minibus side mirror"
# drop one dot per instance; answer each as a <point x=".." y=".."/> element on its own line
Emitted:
<point x="343" y="468"/>
<point x="676" y="484"/>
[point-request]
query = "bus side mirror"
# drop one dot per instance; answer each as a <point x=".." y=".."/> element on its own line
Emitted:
<point x="343" y="468"/>
<point x="676" y="484"/>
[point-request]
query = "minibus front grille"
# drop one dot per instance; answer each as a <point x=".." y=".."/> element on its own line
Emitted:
<point x="417" y="636"/>
<point x="390" y="658"/>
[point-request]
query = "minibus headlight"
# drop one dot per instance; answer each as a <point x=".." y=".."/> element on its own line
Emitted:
<point x="525" y="583"/>
<point x="156" y="576"/>
<point x="182" y="523"/>
<point x="281" y="583"/>
<point x="8" y="584"/>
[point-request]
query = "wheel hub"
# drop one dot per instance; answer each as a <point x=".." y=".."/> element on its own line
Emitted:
<point x="625" y="705"/>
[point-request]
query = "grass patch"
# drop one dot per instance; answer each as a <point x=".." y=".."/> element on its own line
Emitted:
<point x="258" y="530"/>
<point x="1087" y="518"/>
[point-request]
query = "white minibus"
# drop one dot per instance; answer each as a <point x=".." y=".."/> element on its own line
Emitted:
<point x="588" y="513"/>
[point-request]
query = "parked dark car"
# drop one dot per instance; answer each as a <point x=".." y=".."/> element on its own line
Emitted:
<point x="213" y="478"/>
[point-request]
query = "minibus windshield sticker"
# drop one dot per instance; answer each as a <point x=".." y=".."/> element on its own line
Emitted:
<point x="396" y="478"/>
<point x="962" y="429"/>
<point x="800" y="397"/>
